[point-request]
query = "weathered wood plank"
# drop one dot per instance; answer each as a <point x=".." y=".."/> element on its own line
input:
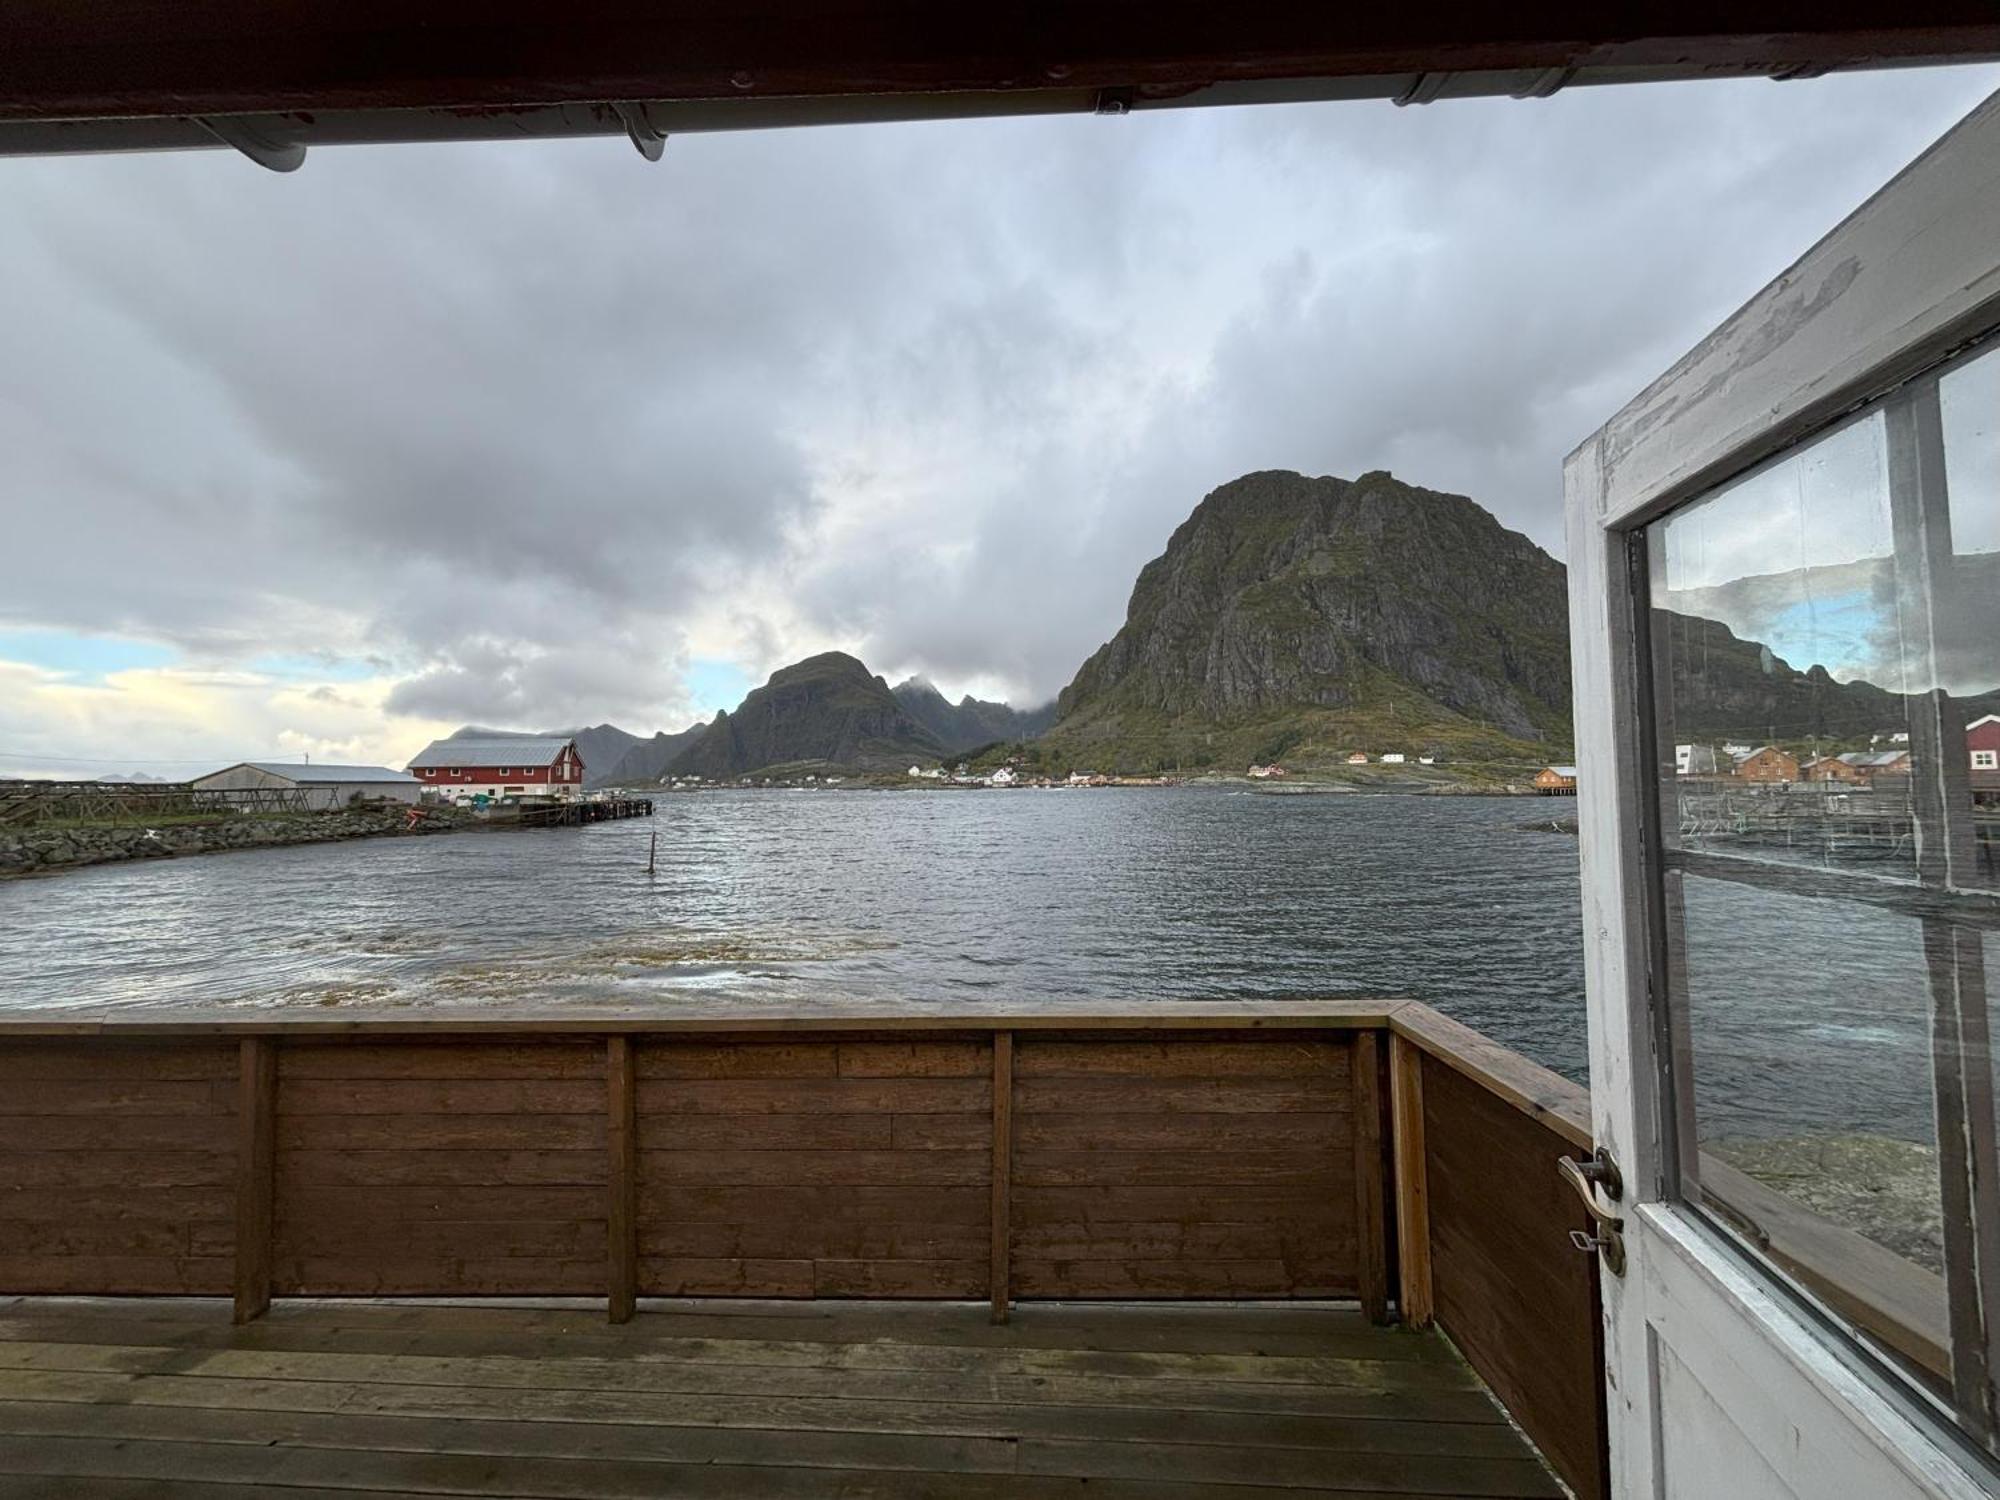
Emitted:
<point x="76" y="1135"/>
<point x="622" y="1187"/>
<point x="471" y="1059"/>
<point x="745" y="1205"/>
<point x="1276" y="1057"/>
<point x="736" y="1059"/>
<point x="487" y="1203"/>
<point x="813" y="1096"/>
<point x="1318" y="1172"/>
<point x="75" y="1096"/>
<point x="662" y="1412"/>
<point x="835" y="1239"/>
<point x="256" y="1167"/>
<point x="1413" y="1231"/>
<point x="807" y="1168"/>
<point x="1370" y="1220"/>
<point x="1391" y="1399"/>
<point x="1194" y="1205"/>
<point x="1113" y="1095"/>
<point x="937" y="1059"/>
<point x="863" y="1132"/>
<point x="445" y="1096"/>
<point x="1181" y="1277"/>
<point x="100" y="1062"/>
<point x="460" y="1168"/>
<point x="440" y="1132"/>
<point x="113" y="1168"/>
<point x="1325" y="1132"/>
<point x="158" y="1205"/>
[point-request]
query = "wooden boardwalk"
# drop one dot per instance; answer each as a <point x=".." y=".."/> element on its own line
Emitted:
<point x="165" y="1399"/>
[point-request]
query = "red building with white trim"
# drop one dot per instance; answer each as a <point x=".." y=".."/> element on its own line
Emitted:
<point x="500" y="766"/>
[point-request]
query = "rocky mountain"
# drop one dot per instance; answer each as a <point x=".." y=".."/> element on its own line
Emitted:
<point x="970" y="722"/>
<point x="827" y="709"/>
<point x="646" y="761"/>
<point x="1307" y="617"/>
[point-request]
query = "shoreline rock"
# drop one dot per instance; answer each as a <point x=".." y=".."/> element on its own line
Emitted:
<point x="52" y="850"/>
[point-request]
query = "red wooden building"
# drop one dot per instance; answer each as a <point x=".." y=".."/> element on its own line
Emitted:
<point x="500" y="766"/>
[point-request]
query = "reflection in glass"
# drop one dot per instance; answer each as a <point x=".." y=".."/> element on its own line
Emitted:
<point x="1782" y="640"/>
<point x="1807" y="1036"/>
<point x="1966" y="617"/>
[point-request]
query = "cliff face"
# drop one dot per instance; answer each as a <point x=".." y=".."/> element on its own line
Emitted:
<point x="1283" y="596"/>
<point x="827" y="708"/>
<point x="970" y="722"/>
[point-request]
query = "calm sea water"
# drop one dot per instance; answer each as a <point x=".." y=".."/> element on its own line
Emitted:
<point x="1804" y="1011"/>
<point x="1113" y="894"/>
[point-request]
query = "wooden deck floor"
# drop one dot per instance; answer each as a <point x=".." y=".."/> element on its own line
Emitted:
<point x="128" y="1398"/>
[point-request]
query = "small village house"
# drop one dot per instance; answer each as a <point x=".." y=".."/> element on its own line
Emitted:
<point x="1358" y="758"/>
<point x="1393" y="758"/>
<point x="1769" y="765"/>
<point x="500" y="766"/>
<point x="316" y="788"/>
<point x="1869" y="764"/>
<point x="1556" y="781"/>
<point x="1830" y="768"/>
<point x="1982" y="743"/>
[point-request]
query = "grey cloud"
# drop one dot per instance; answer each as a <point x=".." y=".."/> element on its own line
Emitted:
<point x="510" y="418"/>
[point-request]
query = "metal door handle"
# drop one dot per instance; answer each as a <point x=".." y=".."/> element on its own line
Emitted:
<point x="1600" y="1173"/>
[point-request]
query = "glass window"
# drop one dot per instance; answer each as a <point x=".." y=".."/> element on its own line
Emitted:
<point x="1825" y="650"/>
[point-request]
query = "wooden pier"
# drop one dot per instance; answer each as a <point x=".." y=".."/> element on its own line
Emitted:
<point x="575" y="814"/>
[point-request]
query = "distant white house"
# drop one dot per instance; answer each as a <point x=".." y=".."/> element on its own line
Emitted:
<point x="1393" y="758"/>
<point x="320" y="788"/>
<point x="1002" y="777"/>
<point x="1427" y="760"/>
<point x="1265" y="773"/>
<point x="1358" y="758"/>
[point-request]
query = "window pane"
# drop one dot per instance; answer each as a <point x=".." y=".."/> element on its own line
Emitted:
<point x="1782" y="642"/>
<point x="1967" y="612"/>
<point x="1809" y="1045"/>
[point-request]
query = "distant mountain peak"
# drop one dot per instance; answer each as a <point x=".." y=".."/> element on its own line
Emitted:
<point x="1285" y="607"/>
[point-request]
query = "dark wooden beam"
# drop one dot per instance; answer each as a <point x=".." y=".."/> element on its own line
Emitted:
<point x="256" y="1173"/>
<point x="1371" y="1231"/>
<point x="1413" y="1212"/>
<point x="128" y="59"/>
<point x="1003" y="1173"/>
<point x="622" y="1210"/>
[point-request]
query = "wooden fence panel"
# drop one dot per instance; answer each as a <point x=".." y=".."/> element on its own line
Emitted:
<point x="463" y="1167"/>
<point x="1183" y="1168"/>
<point x="1516" y="1297"/>
<point x="118" y="1167"/>
<point x="829" y="1167"/>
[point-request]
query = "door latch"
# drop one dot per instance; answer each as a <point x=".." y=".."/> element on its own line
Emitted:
<point x="1600" y="1185"/>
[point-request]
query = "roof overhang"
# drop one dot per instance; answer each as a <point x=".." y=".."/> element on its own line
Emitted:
<point x="108" y="75"/>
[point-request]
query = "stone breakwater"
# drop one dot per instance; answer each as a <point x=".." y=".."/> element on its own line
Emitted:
<point x="36" y="851"/>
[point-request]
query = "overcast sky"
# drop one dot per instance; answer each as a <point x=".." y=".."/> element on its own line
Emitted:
<point x="538" y="434"/>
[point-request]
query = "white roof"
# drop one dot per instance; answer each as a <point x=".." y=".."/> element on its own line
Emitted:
<point x="1569" y="771"/>
<point x="489" y="750"/>
<point x="301" y="772"/>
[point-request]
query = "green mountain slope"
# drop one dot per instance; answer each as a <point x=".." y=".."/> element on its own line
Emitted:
<point x="1307" y="617"/>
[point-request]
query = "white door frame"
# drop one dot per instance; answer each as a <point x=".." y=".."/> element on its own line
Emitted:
<point x="1911" y="275"/>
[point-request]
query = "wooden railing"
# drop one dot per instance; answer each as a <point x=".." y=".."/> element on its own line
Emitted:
<point x="1351" y="1149"/>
